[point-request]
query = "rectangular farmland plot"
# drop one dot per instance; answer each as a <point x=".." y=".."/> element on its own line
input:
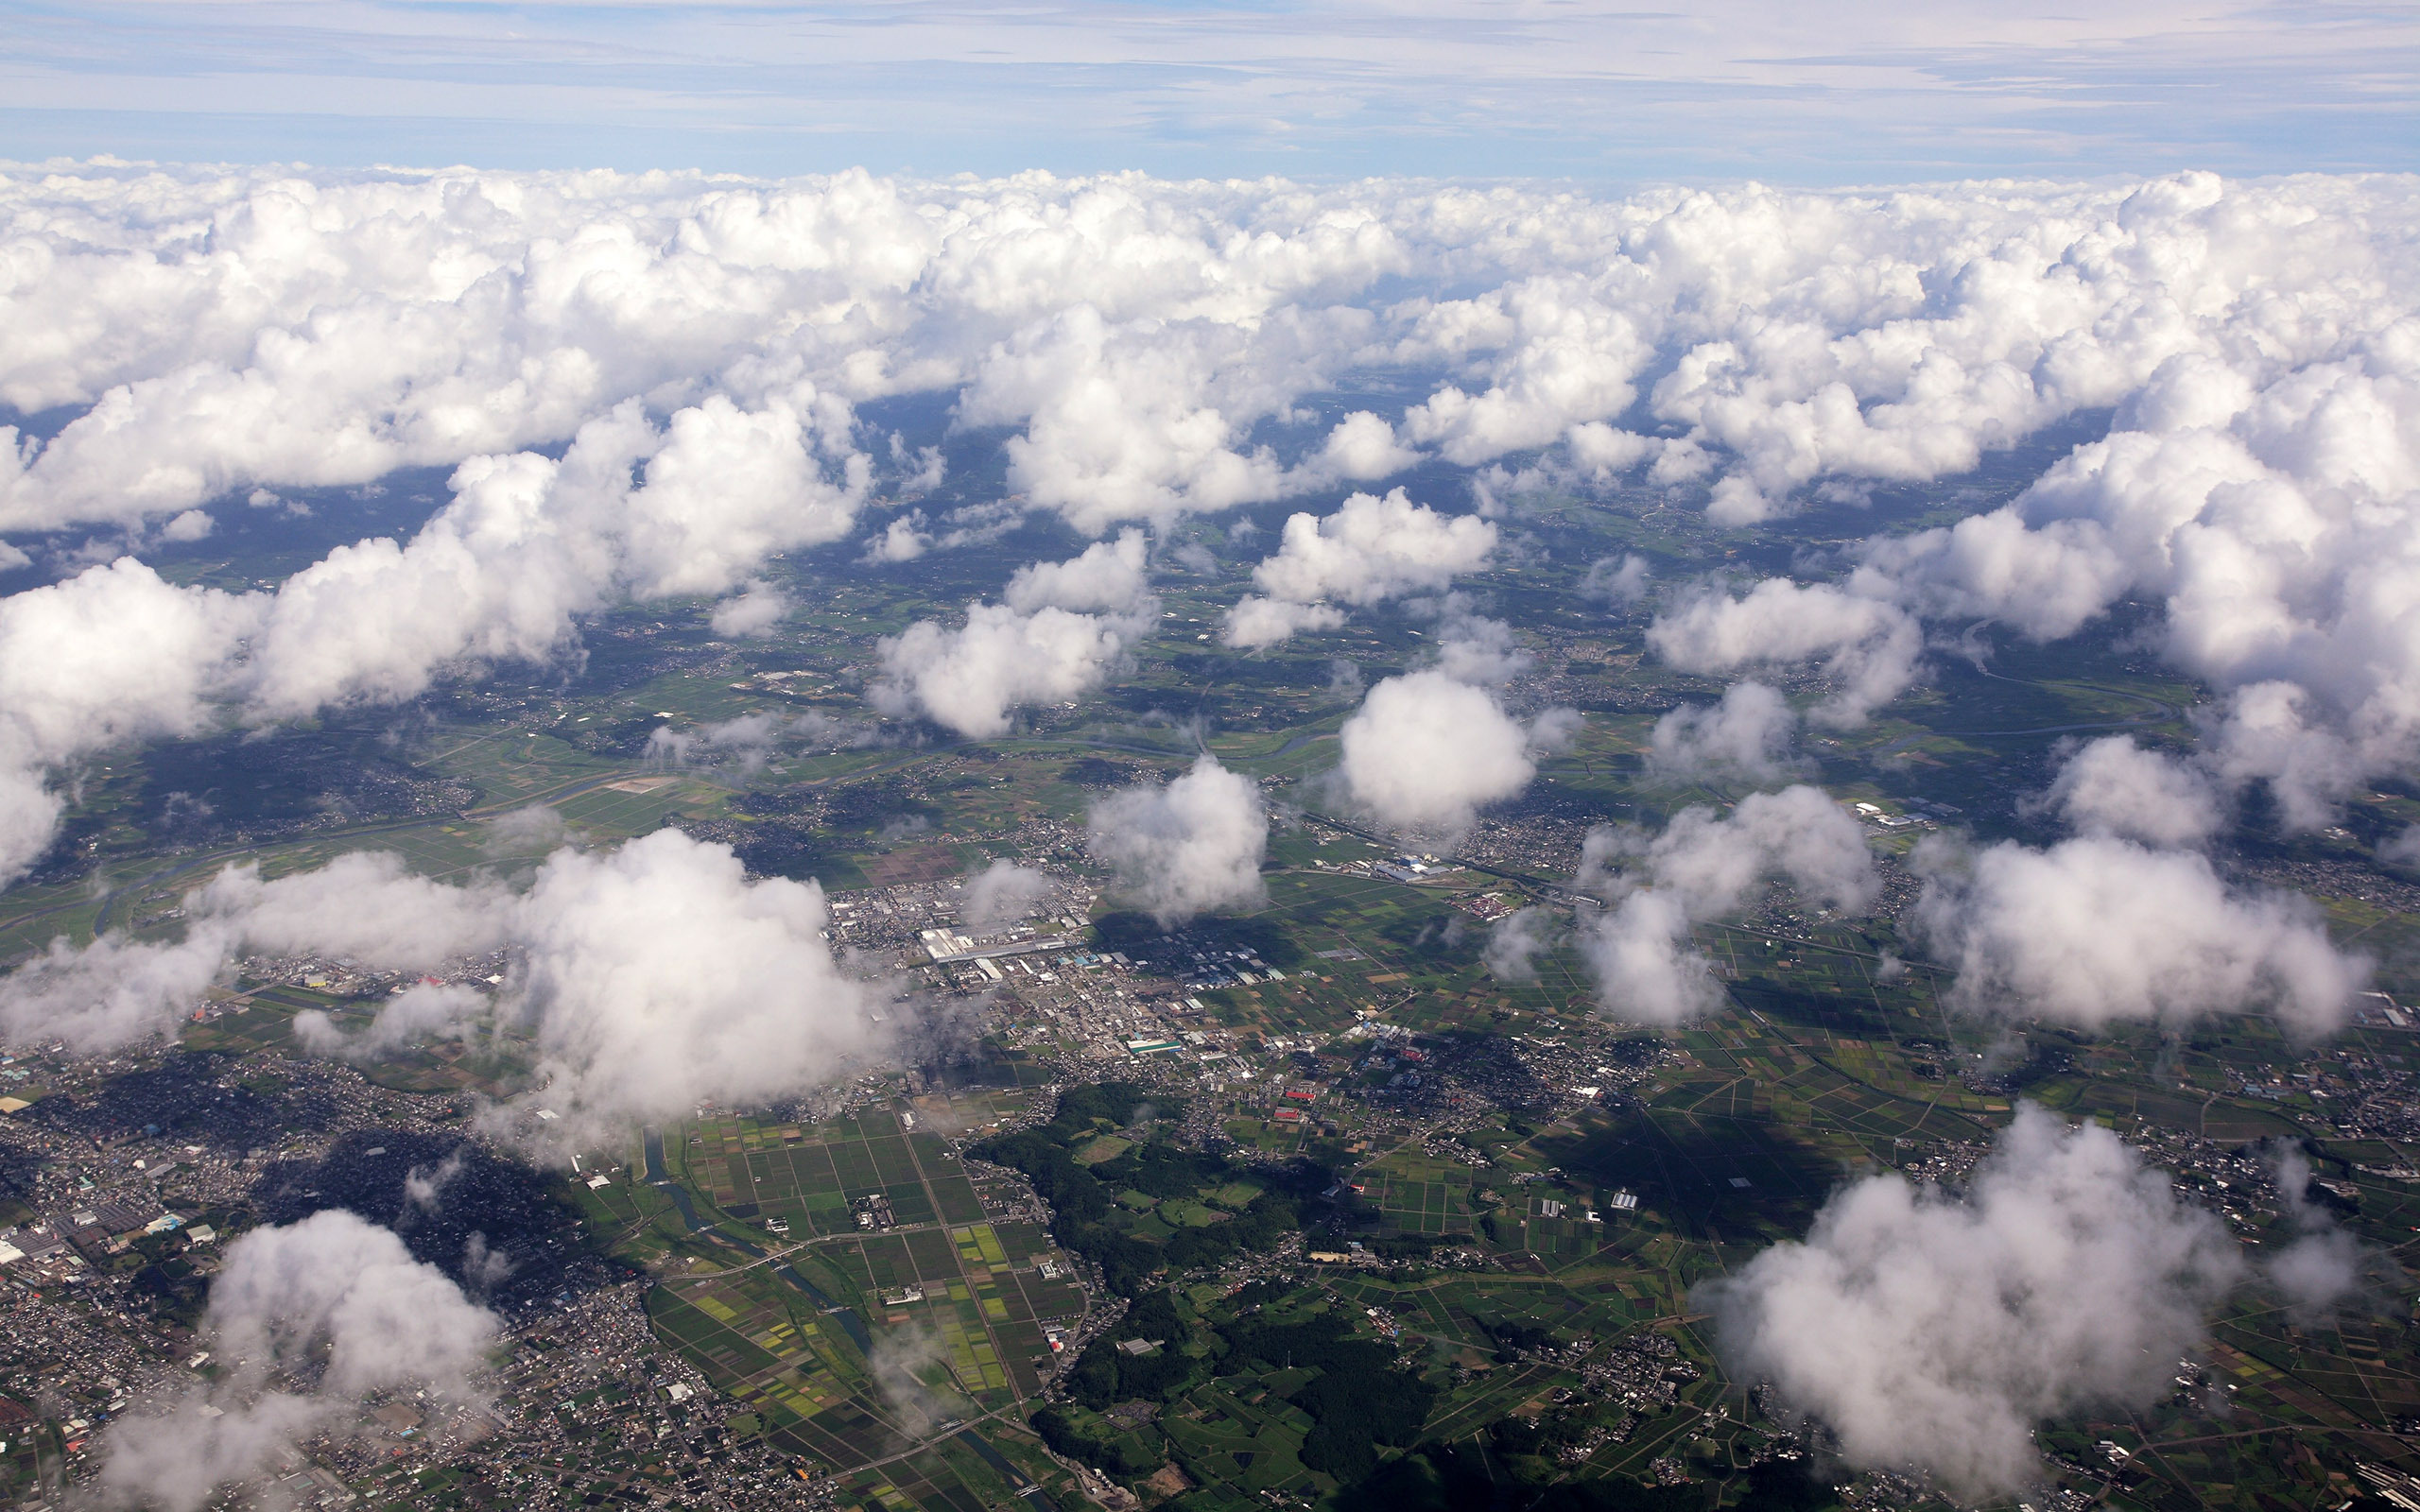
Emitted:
<point x="893" y="1161"/>
<point x="956" y="1195"/>
<point x="935" y="1256"/>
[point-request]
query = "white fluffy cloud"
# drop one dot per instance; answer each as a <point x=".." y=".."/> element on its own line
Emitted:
<point x="969" y="678"/>
<point x="1746" y="735"/>
<point x="1108" y="578"/>
<point x="2113" y="786"/>
<point x="754" y="613"/>
<point x="1146" y="346"/>
<point x="2097" y="930"/>
<point x="334" y="1301"/>
<point x="657" y="975"/>
<point x="1370" y="549"/>
<point x="111" y="655"/>
<point x="1703" y="866"/>
<point x="1426" y="750"/>
<point x="1186" y="849"/>
<point x="646" y="978"/>
<point x="1869" y="646"/>
<point x="1934" y="1332"/>
<point x="363" y="904"/>
<point x="1040" y="647"/>
<point x="503" y="571"/>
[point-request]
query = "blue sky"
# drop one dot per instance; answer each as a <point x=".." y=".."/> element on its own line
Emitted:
<point x="1609" y="95"/>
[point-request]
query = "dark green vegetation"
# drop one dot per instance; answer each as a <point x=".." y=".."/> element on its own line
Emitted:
<point x="1191" y="1219"/>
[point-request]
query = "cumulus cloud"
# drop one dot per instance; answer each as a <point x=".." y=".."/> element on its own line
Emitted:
<point x="1001" y="893"/>
<point x="111" y="655"/>
<point x="1189" y="847"/>
<point x="647" y="385"/>
<point x="1370" y="549"/>
<point x="1932" y="1333"/>
<point x="1363" y="448"/>
<point x="2099" y="930"/>
<point x="1869" y="647"/>
<point x="421" y="1012"/>
<point x="2401" y="848"/>
<point x="307" y="1319"/>
<point x="969" y="680"/>
<point x="1617" y="579"/>
<point x="1038" y="647"/>
<point x="2113" y="786"/>
<point x="1424" y="751"/>
<point x="904" y="539"/>
<point x="645" y="979"/>
<point x="2322" y="1267"/>
<point x="1109" y="578"/>
<point x="752" y="614"/>
<point x="533" y="827"/>
<point x="1747" y="735"/>
<point x="526" y="545"/>
<point x="657" y="975"/>
<point x="1703" y="866"/>
<point x="363" y="906"/>
<point x="1256" y="622"/>
<point x="910" y="1368"/>
<point x="746" y="743"/>
<point x="1514" y="943"/>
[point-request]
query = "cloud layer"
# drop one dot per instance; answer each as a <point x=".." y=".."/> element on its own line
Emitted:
<point x="647" y="387"/>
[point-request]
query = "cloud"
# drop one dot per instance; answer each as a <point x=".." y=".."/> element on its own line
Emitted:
<point x="306" y="1320"/>
<point x="111" y="655"/>
<point x="1746" y="735"/>
<point x="969" y="678"/>
<point x="746" y="743"/>
<point x="1256" y="622"/>
<point x="533" y="827"/>
<point x="1036" y="649"/>
<point x="1424" y="751"/>
<point x="1932" y="1333"/>
<point x="1109" y="578"/>
<point x="647" y="978"/>
<point x="644" y="386"/>
<point x="1620" y="580"/>
<point x="2322" y="1267"/>
<point x="754" y="613"/>
<point x="1869" y="647"/>
<point x="421" y="1012"/>
<point x="2098" y="930"/>
<point x="363" y="904"/>
<point x="904" y="538"/>
<point x="909" y="1363"/>
<point x="1475" y="649"/>
<point x="1189" y="847"/>
<point x="2401" y="848"/>
<point x="2113" y="786"/>
<point x="1370" y="549"/>
<point x="657" y="975"/>
<point x="1001" y="893"/>
<point x="1704" y="865"/>
<point x="1362" y="449"/>
<point x="1514" y="943"/>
